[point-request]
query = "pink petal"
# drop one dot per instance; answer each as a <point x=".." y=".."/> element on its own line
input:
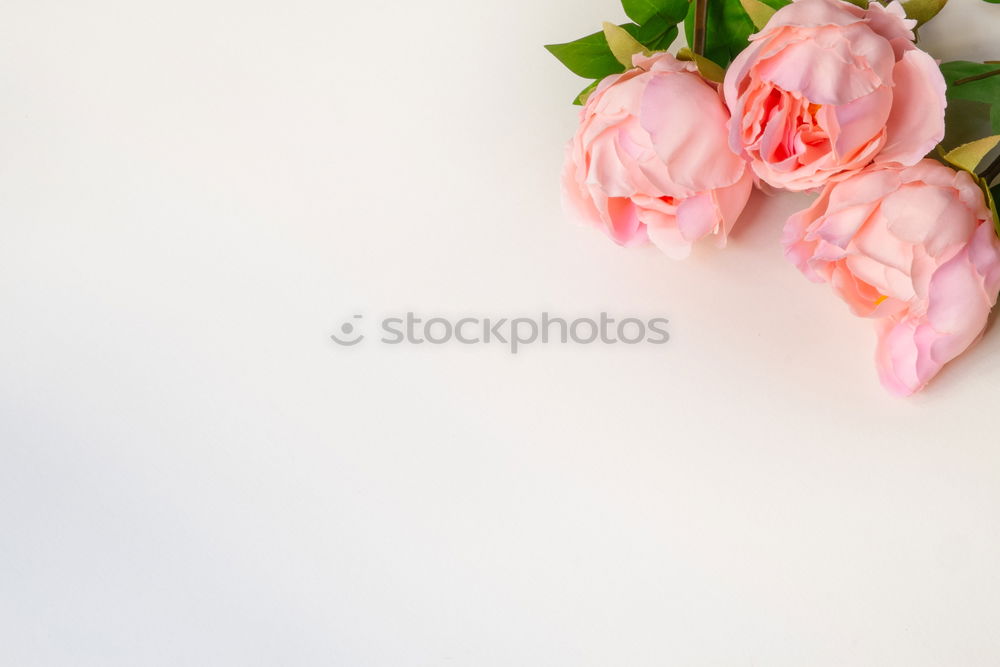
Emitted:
<point x="916" y="123"/>
<point x="686" y="119"/>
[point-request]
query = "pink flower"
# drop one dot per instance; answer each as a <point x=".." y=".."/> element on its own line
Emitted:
<point x="914" y="248"/>
<point x="650" y="160"/>
<point x="828" y="88"/>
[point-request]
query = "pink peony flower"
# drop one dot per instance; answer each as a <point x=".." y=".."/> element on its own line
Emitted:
<point x="650" y="160"/>
<point x="827" y="88"/>
<point x="914" y="248"/>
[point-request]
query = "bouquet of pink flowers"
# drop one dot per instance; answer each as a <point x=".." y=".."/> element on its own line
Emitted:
<point x="830" y="96"/>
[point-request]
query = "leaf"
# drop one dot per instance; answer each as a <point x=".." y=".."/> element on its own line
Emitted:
<point x="985" y="90"/>
<point x="656" y="34"/>
<point x="777" y="4"/>
<point x="623" y="44"/>
<point x="923" y="10"/>
<point x="706" y="67"/>
<point x="759" y="12"/>
<point x="589" y="57"/>
<point x="641" y="11"/>
<point x="727" y="31"/>
<point x="968" y="156"/>
<point x="581" y="99"/>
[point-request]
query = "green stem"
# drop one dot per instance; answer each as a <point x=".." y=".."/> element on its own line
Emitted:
<point x="700" y="26"/>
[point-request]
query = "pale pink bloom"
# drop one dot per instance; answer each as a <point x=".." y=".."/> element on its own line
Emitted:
<point x="827" y="88"/>
<point x="650" y="161"/>
<point x="915" y="249"/>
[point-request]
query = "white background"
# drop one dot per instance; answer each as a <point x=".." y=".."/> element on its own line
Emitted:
<point x="195" y="194"/>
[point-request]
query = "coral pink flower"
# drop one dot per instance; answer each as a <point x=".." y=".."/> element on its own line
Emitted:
<point x="650" y="161"/>
<point x="827" y="88"/>
<point x="914" y="248"/>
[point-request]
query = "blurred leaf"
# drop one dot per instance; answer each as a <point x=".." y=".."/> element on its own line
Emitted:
<point x="589" y="57"/>
<point x="923" y="10"/>
<point x="670" y="11"/>
<point x="706" y="67"/>
<point x="622" y="44"/>
<point x="974" y="82"/>
<point x="581" y="99"/>
<point x="968" y="156"/>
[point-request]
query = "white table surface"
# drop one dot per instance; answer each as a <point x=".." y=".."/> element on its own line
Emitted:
<point x="195" y="194"/>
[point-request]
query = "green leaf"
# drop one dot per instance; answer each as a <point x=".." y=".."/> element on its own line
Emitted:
<point x="759" y="12"/>
<point x="706" y="67"/>
<point x="968" y="156"/>
<point x="656" y="34"/>
<point x="727" y="31"/>
<point x="641" y="11"/>
<point x="777" y="4"/>
<point x="623" y="44"/>
<point x="960" y="76"/>
<point x="589" y="57"/>
<point x="581" y="99"/>
<point x="923" y="10"/>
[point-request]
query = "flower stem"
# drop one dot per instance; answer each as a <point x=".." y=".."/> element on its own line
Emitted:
<point x="976" y="77"/>
<point x="700" y="27"/>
